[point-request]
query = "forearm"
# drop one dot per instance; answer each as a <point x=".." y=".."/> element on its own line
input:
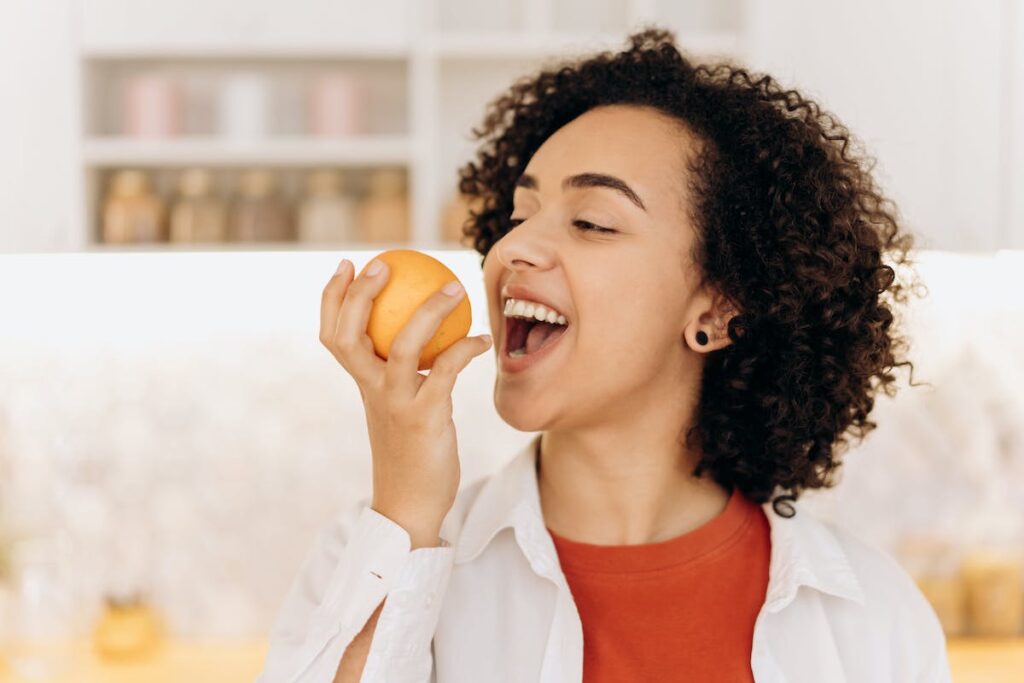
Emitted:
<point x="350" y="668"/>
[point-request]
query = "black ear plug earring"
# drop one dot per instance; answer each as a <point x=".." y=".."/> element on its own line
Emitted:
<point x="702" y="337"/>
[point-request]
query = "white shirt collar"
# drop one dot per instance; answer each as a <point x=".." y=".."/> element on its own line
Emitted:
<point x="804" y="551"/>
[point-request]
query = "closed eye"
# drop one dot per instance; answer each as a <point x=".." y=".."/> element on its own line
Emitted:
<point x="582" y="225"/>
<point x="585" y="225"/>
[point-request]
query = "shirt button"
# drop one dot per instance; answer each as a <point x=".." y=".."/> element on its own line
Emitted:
<point x="430" y="599"/>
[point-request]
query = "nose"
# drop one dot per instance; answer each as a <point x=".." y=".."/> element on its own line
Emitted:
<point x="524" y="246"/>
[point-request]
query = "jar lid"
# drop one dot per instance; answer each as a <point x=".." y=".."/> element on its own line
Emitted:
<point x="324" y="182"/>
<point x="129" y="183"/>
<point x="256" y="183"/>
<point x="195" y="182"/>
<point x="387" y="182"/>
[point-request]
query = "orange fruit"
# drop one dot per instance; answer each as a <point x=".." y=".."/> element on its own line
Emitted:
<point x="412" y="278"/>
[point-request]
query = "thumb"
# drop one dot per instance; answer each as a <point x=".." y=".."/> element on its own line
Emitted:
<point x="448" y="365"/>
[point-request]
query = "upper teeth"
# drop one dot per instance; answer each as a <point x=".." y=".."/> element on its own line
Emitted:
<point x="518" y="308"/>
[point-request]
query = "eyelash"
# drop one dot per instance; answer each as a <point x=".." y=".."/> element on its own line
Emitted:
<point x="590" y="226"/>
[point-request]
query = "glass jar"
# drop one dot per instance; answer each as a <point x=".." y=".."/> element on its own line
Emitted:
<point x="337" y="105"/>
<point x="127" y="629"/>
<point x="993" y="578"/>
<point x="152" y="106"/>
<point x="258" y="213"/>
<point x="326" y="214"/>
<point x="132" y="212"/>
<point x="384" y="214"/>
<point x="198" y="215"/>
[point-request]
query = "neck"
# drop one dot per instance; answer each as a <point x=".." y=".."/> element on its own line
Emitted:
<point x="627" y="489"/>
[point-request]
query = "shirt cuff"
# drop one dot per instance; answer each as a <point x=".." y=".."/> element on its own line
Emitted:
<point x="401" y="649"/>
<point x="369" y="564"/>
<point x="413" y="606"/>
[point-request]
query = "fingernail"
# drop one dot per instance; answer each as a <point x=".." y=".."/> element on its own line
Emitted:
<point x="452" y="288"/>
<point x="486" y="338"/>
<point x="375" y="267"/>
<point x="341" y="266"/>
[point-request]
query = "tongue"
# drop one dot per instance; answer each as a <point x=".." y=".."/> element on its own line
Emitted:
<point x="539" y="333"/>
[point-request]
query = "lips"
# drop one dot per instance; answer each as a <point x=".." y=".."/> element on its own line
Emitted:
<point x="521" y="291"/>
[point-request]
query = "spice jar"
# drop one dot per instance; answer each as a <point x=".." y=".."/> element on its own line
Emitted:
<point x="337" y="105"/>
<point x="994" y="583"/>
<point x="127" y="629"/>
<point x="132" y="212"/>
<point x="384" y="214"/>
<point x="259" y="214"/>
<point x="326" y="214"/>
<point x="152" y="106"/>
<point x="454" y="216"/>
<point x="198" y="215"/>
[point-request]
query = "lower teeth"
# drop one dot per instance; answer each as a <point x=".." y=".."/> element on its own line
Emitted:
<point x="517" y="354"/>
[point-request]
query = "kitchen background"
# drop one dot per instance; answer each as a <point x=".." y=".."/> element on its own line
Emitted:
<point x="180" y="179"/>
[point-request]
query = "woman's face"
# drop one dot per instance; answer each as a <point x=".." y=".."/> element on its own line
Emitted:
<point x="629" y="295"/>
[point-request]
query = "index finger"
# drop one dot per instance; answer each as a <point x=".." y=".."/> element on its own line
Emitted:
<point x="330" y="300"/>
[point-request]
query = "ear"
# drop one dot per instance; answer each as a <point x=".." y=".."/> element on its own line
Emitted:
<point x="713" y="315"/>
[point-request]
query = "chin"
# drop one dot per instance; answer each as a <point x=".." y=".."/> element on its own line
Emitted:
<point x="520" y="412"/>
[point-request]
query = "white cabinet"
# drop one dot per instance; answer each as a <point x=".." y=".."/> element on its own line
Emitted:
<point x="431" y="66"/>
<point x="944" y="119"/>
<point x="211" y="26"/>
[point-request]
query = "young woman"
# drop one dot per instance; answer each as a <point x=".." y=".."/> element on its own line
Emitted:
<point x="692" y="283"/>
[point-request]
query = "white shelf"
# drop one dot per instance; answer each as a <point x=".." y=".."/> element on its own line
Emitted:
<point x="462" y="45"/>
<point x="364" y="151"/>
<point x="185" y="50"/>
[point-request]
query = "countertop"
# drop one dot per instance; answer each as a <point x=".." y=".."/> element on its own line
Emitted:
<point x="972" y="660"/>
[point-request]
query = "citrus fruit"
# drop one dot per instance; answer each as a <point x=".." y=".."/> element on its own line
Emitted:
<point x="413" y="277"/>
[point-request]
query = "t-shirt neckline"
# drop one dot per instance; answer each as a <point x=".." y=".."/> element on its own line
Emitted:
<point x="695" y="544"/>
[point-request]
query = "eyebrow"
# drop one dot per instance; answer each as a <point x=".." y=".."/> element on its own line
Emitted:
<point x="583" y="180"/>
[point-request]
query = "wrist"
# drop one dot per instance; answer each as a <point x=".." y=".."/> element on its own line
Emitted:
<point x="422" y="533"/>
<point x="433" y="541"/>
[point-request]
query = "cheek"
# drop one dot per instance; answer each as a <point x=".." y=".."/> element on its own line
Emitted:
<point x="637" y="325"/>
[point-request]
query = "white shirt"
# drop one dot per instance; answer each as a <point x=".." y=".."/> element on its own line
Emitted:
<point x="491" y="603"/>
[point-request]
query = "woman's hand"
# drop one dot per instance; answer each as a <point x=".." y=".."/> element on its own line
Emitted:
<point x="408" y="415"/>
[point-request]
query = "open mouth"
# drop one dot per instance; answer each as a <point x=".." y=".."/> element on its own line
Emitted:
<point x="525" y="336"/>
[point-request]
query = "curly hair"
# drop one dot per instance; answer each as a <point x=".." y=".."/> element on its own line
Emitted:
<point x="791" y="231"/>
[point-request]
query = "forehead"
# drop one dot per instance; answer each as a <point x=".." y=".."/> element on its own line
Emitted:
<point x="640" y="145"/>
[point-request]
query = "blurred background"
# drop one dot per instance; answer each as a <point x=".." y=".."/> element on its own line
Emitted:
<point x="179" y="180"/>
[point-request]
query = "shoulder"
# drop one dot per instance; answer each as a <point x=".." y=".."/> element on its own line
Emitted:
<point x="893" y="602"/>
<point x="882" y="578"/>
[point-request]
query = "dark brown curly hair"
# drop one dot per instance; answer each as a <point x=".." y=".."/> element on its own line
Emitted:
<point x="791" y="230"/>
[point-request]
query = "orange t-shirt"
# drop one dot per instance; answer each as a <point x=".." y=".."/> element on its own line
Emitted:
<point x="680" y="609"/>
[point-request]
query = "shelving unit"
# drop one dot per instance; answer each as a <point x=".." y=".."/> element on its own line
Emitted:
<point x="432" y="66"/>
<point x="212" y="151"/>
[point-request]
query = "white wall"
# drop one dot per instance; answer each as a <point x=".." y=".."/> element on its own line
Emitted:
<point x="921" y="83"/>
<point x="38" y="153"/>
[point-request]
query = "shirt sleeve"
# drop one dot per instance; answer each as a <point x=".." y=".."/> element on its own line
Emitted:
<point x="358" y="560"/>
<point x="935" y="668"/>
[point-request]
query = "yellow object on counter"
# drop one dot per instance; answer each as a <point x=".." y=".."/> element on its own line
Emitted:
<point x="173" y="661"/>
<point x="994" y="582"/>
<point x="128" y="629"/>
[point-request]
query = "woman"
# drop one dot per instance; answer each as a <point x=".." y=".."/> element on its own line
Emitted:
<point x="715" y="318"/>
